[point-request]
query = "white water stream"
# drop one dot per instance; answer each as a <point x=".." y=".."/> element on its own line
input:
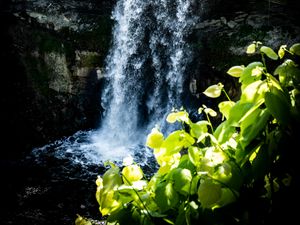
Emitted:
<point x="144" y="73"/>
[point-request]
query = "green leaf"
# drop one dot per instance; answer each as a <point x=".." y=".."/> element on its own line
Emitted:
<point x="249" y="119"/>
<point x="214" y="91"/>
<point x="199" y="128"/>
<point x="194" y="154"/>
<point x="252" y="131"/>
<point x="295" y="49"/>
<point x="176" y="141"/>
<point x="194" y="184"/>
<point x="210" y="112"/>
<point x="108" y="203"/>
<point x="105" y="193"/>
<point x="236" y="71"/>
<point x="224" y="131"/>
<point x="182" y="180"/>
<point x="227" y="197"/>
<point x="112" y="178"/>
<point x="287" y="71"/>
<point x="178" y="116"/>
<point x="154" y="139"/>
<point x="225" y="107"/>
<point x="281" y="51"/>
<point x="132" y="173"/>
<point x="165" y="196"/>
<point x="246" y="77"/>
<point x="209" y="193"/>
<point x="185" y="163"/>
<point x="251" y="48"/>
<point x="121" y="216"/>
<point x="257" y="71"/>
<point x="278" y="105"/>
<point x="237" y="112"/>
<point x="269" y="52"/>
<point x="82" y="221"/>
<point x="254" y="92"/>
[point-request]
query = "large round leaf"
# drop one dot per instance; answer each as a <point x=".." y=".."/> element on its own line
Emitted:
<point x="214" y="91"/>
<point x="236" y="71"/>
<point x="278" y="105"/>
<point x="269" y="52"/>
<point x="165" y="196"/>
<point x="132" y="173"/>
<point x="295" y="49"/>
<point x="155" y="138"/>
<point x="209" y="193"/>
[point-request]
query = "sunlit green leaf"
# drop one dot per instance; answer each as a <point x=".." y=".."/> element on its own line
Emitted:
<point x="82" y="221"/>
<point x="178" y="116"/>
<point x="257" y="71"/>
<point x="214" y="91"/>
<point x="215" y="156"/>
<point x="225" y="107"/>
<point x="165" y="196"/>
<point x="194" y="154"/>
<point x="109" y="203"/>
<point x="254" y="92"/>
<point x="281" y="51"/>
<point x="185" y="163"/>
<point x="251" y="48"/>
<point x="288" y="72"/>
<point x="105" y="193"/>
<point x="198" y="128"/>
<point x="112" y="178"/>
<point x="251" y="115"/>
<point x="246" y="77"/>
<point x="176" y="141"/>
<point x="195" y="184"/>
<point x="223" y="173"/>
<point x="269" y="52"/>
<point x="204" y="136"/>
<point x="182" y="180"/>
<point x="166" y="160"/>
<point x="224" y="131"/>
<point x="154" y="139"/>
<point x="236" y="71"/>
<point x="278" y="105"/>
<point x="209" y="193"/>
<point x="237" y="112"/>
<point x="295" y="49"/>
<point x="132" y="173"/>
<point x="210" y="112"/>
<point x="252" y="131"/>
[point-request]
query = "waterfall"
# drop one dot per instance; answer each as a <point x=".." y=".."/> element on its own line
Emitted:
<point x="149" y="44"/>
<point x="144" y="75"/>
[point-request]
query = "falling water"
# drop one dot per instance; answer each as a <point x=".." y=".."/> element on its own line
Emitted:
<point x="144" y="77"/>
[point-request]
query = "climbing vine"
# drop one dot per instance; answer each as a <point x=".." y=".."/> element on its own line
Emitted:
<point x="204" y="169"/>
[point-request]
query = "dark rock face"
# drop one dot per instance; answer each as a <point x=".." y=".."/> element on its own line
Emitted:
<point x="50" y="83"/>
<point x="226" y="29"/>
<point x="52" y="55"/>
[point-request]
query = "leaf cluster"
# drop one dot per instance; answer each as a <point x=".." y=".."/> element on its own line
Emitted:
<point x="202" y="168"/>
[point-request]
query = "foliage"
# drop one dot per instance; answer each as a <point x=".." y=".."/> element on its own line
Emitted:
<point x="204" y="170"/>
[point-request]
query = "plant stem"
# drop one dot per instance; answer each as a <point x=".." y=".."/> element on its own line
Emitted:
<point x="226" y="94"/>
